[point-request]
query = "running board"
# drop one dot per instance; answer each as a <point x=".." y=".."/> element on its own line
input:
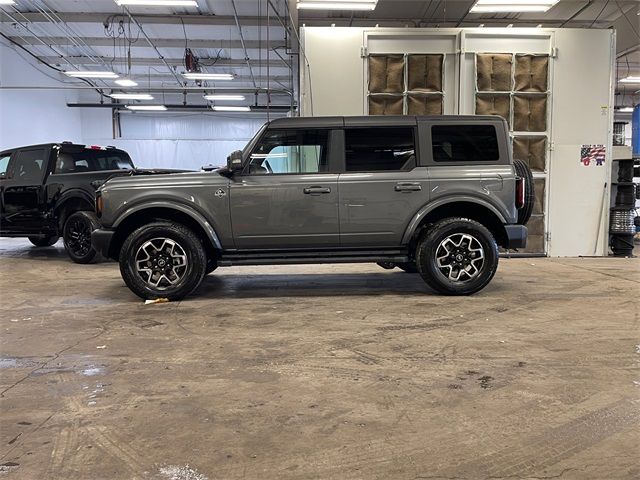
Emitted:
<point x="275" y="257"/>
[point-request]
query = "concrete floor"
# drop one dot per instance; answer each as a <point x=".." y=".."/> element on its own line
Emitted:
<point x="301" y="372"/>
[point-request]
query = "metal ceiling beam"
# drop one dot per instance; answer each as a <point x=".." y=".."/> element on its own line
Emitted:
<point x="401" y="22"/>
<point x="150" y="62"/>
<point x="158" y="42"/>
<point x="211" y="20"/>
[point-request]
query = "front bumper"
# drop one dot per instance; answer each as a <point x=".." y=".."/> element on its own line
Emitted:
<point x="516" y="236"/>
<point x="101" y="241"/>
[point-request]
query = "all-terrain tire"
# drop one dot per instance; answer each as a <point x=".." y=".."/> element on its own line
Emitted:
<point x="451" y="246"/>
<point x="523" y="171"/>
<point x="44" y="241"/>
<point x="76" y="234"/>
<point x="176" y="261"/>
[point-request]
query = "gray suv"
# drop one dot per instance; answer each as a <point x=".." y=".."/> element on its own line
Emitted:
<point x="432" y="195"/>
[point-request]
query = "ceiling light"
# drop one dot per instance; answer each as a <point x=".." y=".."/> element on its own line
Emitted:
<point x="229" y="108"/>
<point x="207" y="76"/>
<point x="625" y="110"/>
<point x="483" y="6"/>
<point x="235" y="98"/>
<point x="630" y="79"/>
<point x="90" y="74"/>
<point x="158" y="3"/>
<point x="147" y="108"/>
<point x="337" y="4"/>
<point x="7" y="2"/>
<point x="125" y="82"/>
<point x="131" y="96"/>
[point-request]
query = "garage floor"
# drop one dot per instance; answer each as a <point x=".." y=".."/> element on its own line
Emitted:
<point x="338" y="371"/>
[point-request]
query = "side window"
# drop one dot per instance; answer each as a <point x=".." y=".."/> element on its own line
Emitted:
<point x="4" y="163"/>
<point x="379" y="149"/>
<point x="464" y="143"/>
<point x="28" y="165"/>
<point x="289" y="151"/>
<point x="72" y="162"/>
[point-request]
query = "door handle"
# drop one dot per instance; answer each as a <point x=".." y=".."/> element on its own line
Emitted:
<point x="316" y="190"/>
<point x="407" y="187"/>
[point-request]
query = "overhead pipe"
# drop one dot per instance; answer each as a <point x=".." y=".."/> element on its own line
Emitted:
<point x="244" y="47"/>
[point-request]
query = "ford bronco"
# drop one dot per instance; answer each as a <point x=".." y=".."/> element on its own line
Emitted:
<point x="433" y="195"/>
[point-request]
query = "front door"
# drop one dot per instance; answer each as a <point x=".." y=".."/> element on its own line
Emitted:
<point x="286" y="196"/>
<point x="382" y="187"/>
<point x="22" y="191"/>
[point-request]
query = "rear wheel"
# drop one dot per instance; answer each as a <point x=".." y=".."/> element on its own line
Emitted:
<point x="77" y="236"/>
<point x="44" y="241"/>
<point x="457" y="256"/>
<point x="162" y="260"/>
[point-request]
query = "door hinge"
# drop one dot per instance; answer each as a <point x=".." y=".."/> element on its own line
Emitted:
<point x="363" y="52"/>
<point x="554" y="52"/>
<point x="552" y="146"/>
<point x="548" y="236"/>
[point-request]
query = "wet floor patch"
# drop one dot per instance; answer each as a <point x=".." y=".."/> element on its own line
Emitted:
<point x="92" y="371"/>
<point x="16" y="362"/>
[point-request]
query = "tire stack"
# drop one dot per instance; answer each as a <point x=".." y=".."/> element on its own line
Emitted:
<point x="621" y="221"/>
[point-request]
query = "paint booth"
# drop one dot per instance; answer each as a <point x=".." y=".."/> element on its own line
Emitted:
<point x="553" y="86"/>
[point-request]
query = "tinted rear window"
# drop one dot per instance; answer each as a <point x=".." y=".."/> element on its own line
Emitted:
<point x="464" y="143"/>
<point x="379" y="149"/>
<point x="89" y="160"/>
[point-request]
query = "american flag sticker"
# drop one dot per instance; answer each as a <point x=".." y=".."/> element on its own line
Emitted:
<point x="592" y="155"/>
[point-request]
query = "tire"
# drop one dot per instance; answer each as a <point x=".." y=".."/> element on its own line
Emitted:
<point x="445" y="236"/>
<point x="76" y="234"/>
<point x="523" y="171"/>
<point x="44" y="241"/>
<point x="161" y="242"/>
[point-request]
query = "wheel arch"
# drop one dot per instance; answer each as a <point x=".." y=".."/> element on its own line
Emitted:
<point x="137" y="217"/>
<point x="465" y="207"/>
<point x="71" y="202"/>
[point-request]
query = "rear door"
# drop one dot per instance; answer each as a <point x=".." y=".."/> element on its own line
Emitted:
<point x="287" y="195"/>
<point x="4" y="165"/>
<point x="23" y="202"/>
<point x="381" y="187"/>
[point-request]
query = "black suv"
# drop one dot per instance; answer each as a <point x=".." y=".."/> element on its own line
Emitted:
<point x="48" y="191"/>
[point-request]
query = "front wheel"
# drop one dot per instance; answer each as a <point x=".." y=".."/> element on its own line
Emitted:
<point x="44" y="241"/>
<point x="457" y="256"/>
<point x="77" y="236"/>
<point x="162" y="260"/>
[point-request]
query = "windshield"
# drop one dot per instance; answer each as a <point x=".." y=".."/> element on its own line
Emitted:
<point x="91" y="160"/>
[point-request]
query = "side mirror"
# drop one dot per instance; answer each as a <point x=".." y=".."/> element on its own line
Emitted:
<point x="234" y="161"/>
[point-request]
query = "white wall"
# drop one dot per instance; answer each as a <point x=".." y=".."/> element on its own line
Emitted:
<point x="33" y="116"/>
<point x="171" y="140"/>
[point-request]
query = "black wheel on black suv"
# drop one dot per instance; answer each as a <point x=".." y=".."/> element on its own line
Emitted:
<point x="457" y="256"/>
<point x="44" y="241"/>
<point x="162" y="260"/>
<point x="77" y="236"/>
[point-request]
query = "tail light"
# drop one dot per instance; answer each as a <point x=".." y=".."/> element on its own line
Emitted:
<point x="520" y="187"/>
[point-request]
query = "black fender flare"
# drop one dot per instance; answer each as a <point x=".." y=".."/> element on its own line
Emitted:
<point x="416" y="220"/>
<point x="194" y="214"/>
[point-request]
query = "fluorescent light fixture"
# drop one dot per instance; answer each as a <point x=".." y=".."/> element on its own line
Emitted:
<point x="484" y="6"/>
<point x="235" y="98"/>
<point x="625" y="110"/>
<point x="125" y="82"/>
<point x="337" y="4"/>
<point x="91" y="74"/>
<point x="207" y="76"/>
<point x="630" y="79"/>
<point x="158" y="3"/>
<point x="131" y="96"/>
<point x="147" y="108"/>
<point x="7" y="2"/>
<point x="229" y="108"/>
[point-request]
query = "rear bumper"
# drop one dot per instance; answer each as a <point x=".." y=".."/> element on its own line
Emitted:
<point x="516" y="236"/>
<point x="101" y="241"/>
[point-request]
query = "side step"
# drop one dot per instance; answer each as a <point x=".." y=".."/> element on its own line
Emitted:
<point x="280" y="257"/>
